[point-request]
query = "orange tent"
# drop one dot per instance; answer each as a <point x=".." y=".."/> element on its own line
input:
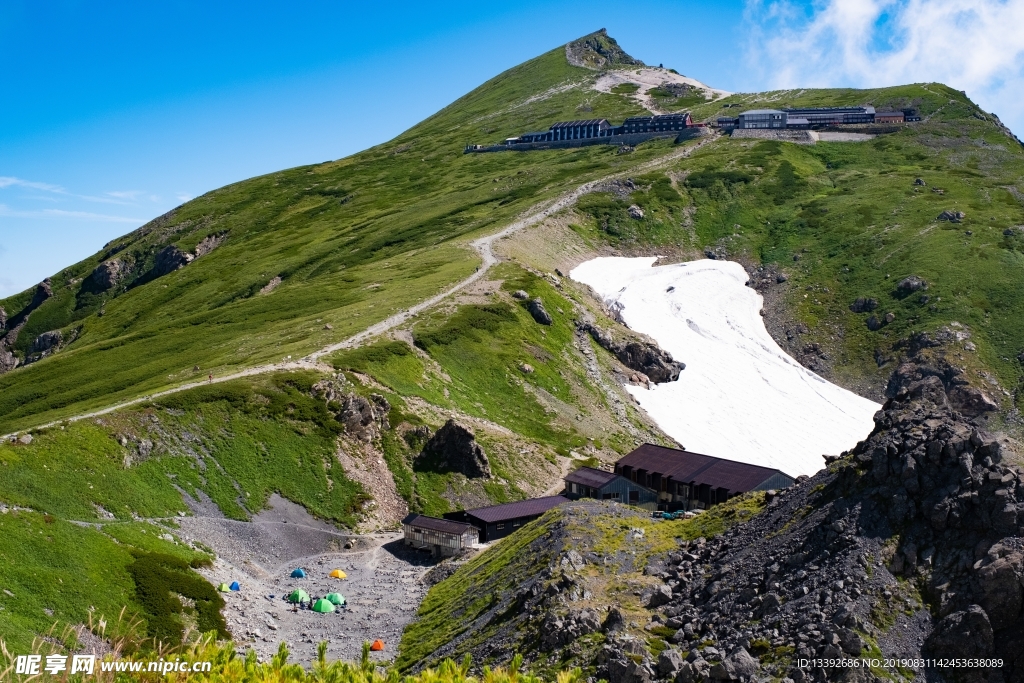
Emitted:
<point x="377" y="646"/>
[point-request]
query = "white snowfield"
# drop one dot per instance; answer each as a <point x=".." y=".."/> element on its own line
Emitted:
<point x="740" y="397"/>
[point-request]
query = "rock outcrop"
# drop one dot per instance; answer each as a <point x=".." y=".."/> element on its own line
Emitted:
<point x="108" y="274"/>
<point x="364" y="418"/>
<point x="598" y="50"/>
<point x="3" y="318"/>
<point x="643" y="356"/>
<point x="8" y="361"/>
<point x="47" y="341"/>
<point x="170" y="259"/>
<point x="453" y="448"/>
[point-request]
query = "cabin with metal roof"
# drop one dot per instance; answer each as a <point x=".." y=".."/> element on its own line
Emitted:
<point x="443" y="537"/>
<point x="684" y="480"/>
<point x="498" y="521"/>
<point x="588" y="482"/>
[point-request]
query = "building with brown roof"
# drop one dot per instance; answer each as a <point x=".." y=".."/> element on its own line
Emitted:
<point x="442" y="537"/>
<point x="686" y="480"/>
<point x="498" y="521"/>
<point x="588" y="482"/>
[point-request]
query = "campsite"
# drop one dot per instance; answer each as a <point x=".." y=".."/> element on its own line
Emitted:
<point x="377" y="579"/>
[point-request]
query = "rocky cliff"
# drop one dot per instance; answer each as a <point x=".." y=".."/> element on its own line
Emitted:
<point x="908" y="546"/>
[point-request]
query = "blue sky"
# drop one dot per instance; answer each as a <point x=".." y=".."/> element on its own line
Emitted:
<point x="116" y="112"/>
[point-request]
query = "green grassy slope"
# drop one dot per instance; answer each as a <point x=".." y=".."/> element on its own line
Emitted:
<point x="352" y="240"/>
<point x="845" y="220"/>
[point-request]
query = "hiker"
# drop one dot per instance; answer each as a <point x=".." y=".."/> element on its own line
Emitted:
<point x="211" y="378"/>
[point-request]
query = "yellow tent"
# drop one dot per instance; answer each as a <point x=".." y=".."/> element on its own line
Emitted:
<point x="338" y="574"/>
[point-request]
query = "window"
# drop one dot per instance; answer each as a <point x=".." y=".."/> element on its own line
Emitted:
<point x="500" y="526"/>
<point x="634" y="496"/>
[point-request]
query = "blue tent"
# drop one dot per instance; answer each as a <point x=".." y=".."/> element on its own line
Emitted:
<point x="299" y="573"/>
<point x="235" y="586"/>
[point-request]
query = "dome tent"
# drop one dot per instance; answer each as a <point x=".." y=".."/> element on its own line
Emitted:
<point x="223" y="588"/>
<point x="335" y="598"/>
<point x="234" y="586"/>
<point x="298" y="573"/>
<point x="323" y="606"/>
<point x="298" y="595"/>
<point x="378" y="645"/>
<point x="338" y="574"/>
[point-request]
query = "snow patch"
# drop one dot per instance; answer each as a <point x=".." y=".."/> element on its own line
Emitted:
<point x="740" y="397"/>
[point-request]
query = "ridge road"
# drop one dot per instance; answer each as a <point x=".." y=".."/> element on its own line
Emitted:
<point x="483" y="246"/>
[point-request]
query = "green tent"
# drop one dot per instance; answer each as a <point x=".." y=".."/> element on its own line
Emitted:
<point x="335" y="598"/>
<point x="223" y="588"/>
<point x="298" y="595"/>
<point x="322" y="605"/>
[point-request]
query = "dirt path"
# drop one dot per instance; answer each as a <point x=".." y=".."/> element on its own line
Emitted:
<point x="483" y="246"/>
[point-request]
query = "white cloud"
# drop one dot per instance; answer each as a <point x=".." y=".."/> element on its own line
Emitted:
<point x="972" y="45"/>
<point x="61" y="213"/>
<point x="183" y="197"/>
<point x="8" y="181"/>
<point x="129" y="194"/>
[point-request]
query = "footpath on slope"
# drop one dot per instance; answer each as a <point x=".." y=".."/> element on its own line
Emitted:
<point x="483" y="246"/>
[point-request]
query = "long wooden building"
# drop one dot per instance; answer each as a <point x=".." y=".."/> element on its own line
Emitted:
<point x="687" y="480"/>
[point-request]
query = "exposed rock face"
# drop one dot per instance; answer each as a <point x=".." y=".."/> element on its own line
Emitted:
<point x="644" y="357"/>
<point x="364" y="419"/>
<point x="47" y="341"/>
<point x="44" y="291"/>
<point x="208" y="244"/>
<point x="597" y="50"/>
<point x="8" y="361"/>
<point x="170" y="259"/>
<point x="108" y="274"/>
<point x="453" y="448"/>
<point x="539" y="313"/>
<point x="3" y="318"/>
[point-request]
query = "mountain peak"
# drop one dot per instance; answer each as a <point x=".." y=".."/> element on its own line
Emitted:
<point x="598" y="50"/>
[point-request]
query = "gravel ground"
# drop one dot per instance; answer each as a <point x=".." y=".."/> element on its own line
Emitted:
<point x="383" y="588"/>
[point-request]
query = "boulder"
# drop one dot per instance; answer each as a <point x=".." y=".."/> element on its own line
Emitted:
<point x="539" y="313"/>
<point x="649" y="359"/>
<point x="170" y="259"/>
<point x="919" y="181"/>
<point x="453" y="448"/>
<point x="965" y="634"/>
<point x="635" y="212"/>
<point x="669" y="663"/>
<point x="662" y="595"/>
<point x="864" y="305"/>
<point x="909" y="285"/>
<point x="615" y="621"/>
<point x="108" y="274"/>
<point x="952" y="216"/>
<point x="47" y="341"/>
<point x="873" y="323"/>
<point x="520" y="294"/>
<point x="738" y="665"/>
